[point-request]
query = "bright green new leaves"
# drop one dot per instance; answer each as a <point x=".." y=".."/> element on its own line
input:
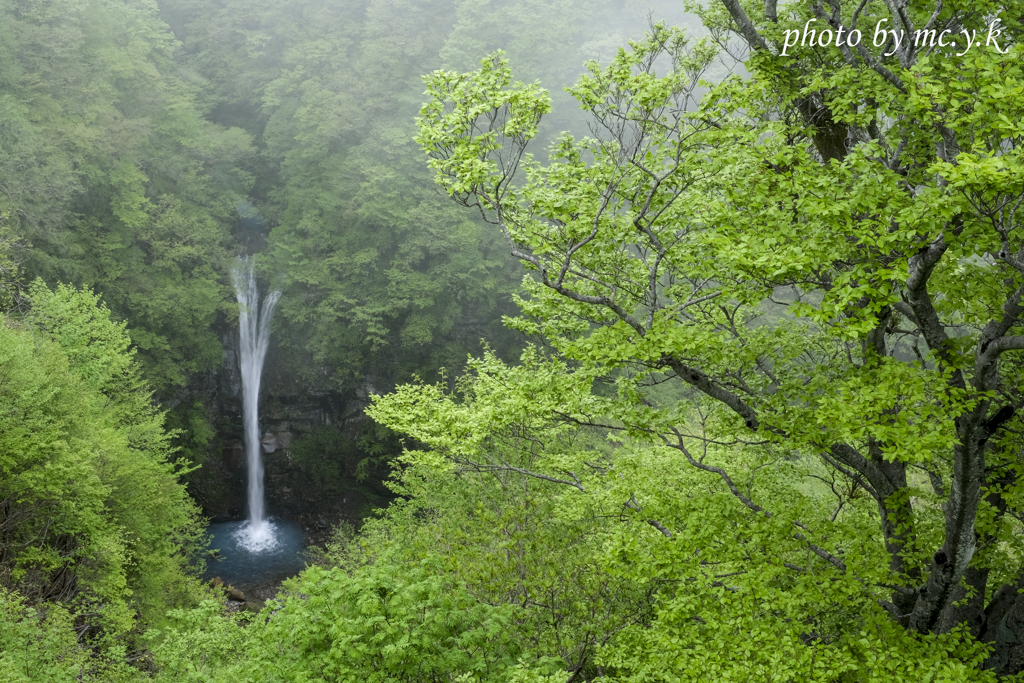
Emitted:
<point x="475" y="117"/>
<point x="682" y="581"/>
<point x="98" y="350"/>
<point x="710" y="239"/>
<point x="46" y="444"/>
<point x="95" y="516"/>
<point x="33" y="642"/>
<point x="430" y="415"/>
<point x="385" y="623"/>
<point x="825" y="262"/>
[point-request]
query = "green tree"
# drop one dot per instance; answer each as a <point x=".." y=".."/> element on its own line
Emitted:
<point x="377" y="625"/>
<point x="111" y="177"/>
<point x="478" y="573"/>
<point x="826" y="261"/>
<point x="381" y="277"/>
<point x="10" y="269"/>
<point x="94" y="517"/>
<point x="639" y="568"/>
<point x="37" y="643"/>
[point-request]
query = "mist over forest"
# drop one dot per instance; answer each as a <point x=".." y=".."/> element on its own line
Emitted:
<point x="506" y="340"/>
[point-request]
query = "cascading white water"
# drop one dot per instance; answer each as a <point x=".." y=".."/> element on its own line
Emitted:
<point x="257" y="535"/>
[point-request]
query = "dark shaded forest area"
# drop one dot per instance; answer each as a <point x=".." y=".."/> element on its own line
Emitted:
<point x="612" y="343"/>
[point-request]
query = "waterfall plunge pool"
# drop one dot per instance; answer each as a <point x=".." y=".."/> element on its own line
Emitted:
<point x="268" y="553"/>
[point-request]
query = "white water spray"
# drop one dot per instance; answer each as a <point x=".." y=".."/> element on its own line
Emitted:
<point x="254" y="330"/>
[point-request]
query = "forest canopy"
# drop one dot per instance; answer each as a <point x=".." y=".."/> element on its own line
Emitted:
<point x="766" y="423"/>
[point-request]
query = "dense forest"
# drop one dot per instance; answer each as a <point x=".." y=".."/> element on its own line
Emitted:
<point x="625" y="340"/>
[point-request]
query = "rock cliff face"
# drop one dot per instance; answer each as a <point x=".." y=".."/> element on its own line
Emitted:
<point x="310" y="445"/>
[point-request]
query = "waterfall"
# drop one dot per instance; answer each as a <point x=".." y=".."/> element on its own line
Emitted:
<point x="254" y="332"/>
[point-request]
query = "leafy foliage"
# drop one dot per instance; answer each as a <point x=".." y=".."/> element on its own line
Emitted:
<point x="773" y="434"/>
<point x="32" y="642"/>
<point x="94" y="518"/>
<point x="9" y="266"/>
<point x="704" y="588"/>
<point x="382" y="278"/>
<point x="823" y="261"/>
<point x="112" y="178"/>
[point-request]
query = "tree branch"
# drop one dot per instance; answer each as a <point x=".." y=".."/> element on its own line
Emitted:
<point x="703" y="383"/>
<point x="746" y="27"/>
